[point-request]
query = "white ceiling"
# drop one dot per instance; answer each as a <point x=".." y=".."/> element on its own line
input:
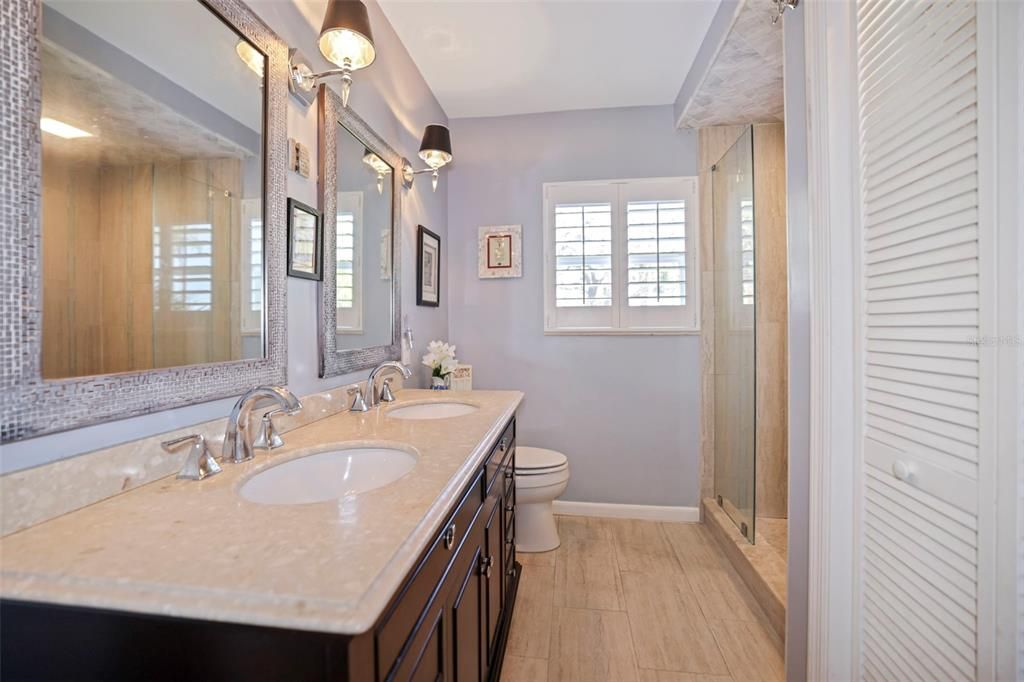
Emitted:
<point x="499" y="57"/>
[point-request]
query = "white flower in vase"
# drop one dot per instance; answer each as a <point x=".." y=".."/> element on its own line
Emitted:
<point x="440" y="358"/>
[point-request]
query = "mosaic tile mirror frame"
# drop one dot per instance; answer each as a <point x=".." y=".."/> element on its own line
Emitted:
<point x="34" y="401"/>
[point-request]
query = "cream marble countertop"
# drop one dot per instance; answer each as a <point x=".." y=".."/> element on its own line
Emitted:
<point x="196" y="549"/>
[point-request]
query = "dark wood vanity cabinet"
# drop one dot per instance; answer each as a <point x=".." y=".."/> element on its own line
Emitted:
<point x="460" y="633"/>
<point x="448" y="622"/>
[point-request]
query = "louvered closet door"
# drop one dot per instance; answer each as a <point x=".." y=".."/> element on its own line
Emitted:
<point x="919" y="550"/>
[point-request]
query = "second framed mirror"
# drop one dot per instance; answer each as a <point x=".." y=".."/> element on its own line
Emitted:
<point x="360" y="295"/>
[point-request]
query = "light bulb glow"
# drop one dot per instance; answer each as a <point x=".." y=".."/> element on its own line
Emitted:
<point x="345" y="47"/>
<point x="61" y="129"/>
<point x="252" y="57"/>
<point x="435" y="158"/>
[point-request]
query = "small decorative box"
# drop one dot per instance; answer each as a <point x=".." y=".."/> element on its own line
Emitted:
<point x="462" y="378"/>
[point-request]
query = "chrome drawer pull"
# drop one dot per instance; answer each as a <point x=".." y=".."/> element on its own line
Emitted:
<point x="510" y="508"/>
<point x="449" y="536"/>
<point x="509" y="475"/>
<point x="485" y="566"/>
<point x="503" y="444"/>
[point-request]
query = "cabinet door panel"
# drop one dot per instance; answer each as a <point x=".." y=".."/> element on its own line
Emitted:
<point x="493" y="582"/>
<point x="467" y="616"/>
<point x="427" y="660"/>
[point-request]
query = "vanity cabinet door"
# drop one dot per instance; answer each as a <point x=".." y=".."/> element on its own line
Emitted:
<point x="466" y="586"/>
<point x="492" y="579"/>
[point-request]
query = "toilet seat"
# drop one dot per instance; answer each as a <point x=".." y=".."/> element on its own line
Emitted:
<point x="532" y="461"/>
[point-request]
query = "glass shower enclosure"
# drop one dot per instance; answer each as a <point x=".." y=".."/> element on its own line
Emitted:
<point x="734" y="333"/>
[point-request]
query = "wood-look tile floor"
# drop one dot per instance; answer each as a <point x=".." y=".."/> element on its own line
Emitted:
<point x="637" y="601"/>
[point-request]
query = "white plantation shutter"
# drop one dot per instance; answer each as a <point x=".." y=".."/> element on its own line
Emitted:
<point x="620" y="256"/>
<point x="917" y="73"/>
<point x="656" y="253"/>
<point x="345" y="266"/>
<point x="583" y="254"/>
<point x="348" y="264"/>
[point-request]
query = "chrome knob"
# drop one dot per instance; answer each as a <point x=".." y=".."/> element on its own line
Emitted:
<point x="509" y="474"/>
<point x="485" y="566"/>
<point x="503" y="444"/>
<point x="449" y="537"/>
<point x="510" y="508"/>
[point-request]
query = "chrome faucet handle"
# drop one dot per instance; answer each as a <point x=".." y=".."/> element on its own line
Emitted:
<point x="358" y="402"/>
<point x="200" y="462"/>
<point x="268" y="438"/>
<point x="386" y="396"/>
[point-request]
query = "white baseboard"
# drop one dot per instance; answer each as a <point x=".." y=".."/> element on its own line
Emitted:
<point x="643" y="512"/>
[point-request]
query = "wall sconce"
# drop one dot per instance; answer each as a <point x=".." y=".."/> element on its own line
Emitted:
<point x="252" y="57"/>
<point x="435" y="150"/>
<point x="380" y="167"/>
<point x="345" y="40"/>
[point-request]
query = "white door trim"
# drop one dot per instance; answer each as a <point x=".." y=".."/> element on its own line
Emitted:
<point x="830" y="53"/>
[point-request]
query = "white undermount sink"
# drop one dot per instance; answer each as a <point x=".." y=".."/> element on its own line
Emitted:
<point x="328" y="475"/>
<point x="436" y="410"/>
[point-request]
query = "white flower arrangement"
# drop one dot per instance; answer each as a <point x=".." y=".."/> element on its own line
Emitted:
<point x="440" y="358"/>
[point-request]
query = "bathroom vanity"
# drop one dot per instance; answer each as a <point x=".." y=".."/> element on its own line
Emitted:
<point x="415" y="580"/>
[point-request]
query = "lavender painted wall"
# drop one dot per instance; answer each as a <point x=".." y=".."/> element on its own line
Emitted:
<point x="626" y="410"/>
<point x="395" y="100"/>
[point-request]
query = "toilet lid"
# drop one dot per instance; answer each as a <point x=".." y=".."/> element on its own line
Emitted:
<point x="533" y="459"/>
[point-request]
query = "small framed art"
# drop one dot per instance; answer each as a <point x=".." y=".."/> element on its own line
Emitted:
<point x="500" y="252"/>
<point x="428" y="268"/>
<point x="305" y="241"/>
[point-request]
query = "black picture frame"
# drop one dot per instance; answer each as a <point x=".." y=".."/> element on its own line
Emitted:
<point x="301" y="270"/>
<point x="428" y="284"/>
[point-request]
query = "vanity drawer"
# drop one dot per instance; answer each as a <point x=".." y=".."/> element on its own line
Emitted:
<point x="499" y="459"/>
<point x="399" y="623"/>
<point x="499" y="453"/>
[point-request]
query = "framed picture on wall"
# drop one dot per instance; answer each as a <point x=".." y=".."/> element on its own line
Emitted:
<point x="500" y="251"/>
<point x="305" y="242"/>
<point x="428" y="268"/>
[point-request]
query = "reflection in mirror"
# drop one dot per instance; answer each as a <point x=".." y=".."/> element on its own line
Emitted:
<point x="152" y="188"/>
<point x="365" y="185"/>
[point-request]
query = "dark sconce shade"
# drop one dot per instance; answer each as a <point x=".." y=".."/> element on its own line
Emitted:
<point x="346" y="35"/>
<point x="436" y="148"/>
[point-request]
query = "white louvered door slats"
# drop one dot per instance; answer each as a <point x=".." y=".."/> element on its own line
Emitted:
<point x="918" y="111"/>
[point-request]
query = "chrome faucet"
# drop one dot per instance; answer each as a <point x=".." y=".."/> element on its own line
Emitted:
<point x="237" y="443"/>
<point x="372" y="398"/>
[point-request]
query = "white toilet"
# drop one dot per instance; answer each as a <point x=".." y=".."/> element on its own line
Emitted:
<point x="541" y="476"/>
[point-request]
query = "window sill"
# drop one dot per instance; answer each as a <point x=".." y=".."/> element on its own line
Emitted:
<point x="622" y="332"/>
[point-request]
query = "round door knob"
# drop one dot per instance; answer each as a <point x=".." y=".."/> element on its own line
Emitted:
<point x="902" y="470"/>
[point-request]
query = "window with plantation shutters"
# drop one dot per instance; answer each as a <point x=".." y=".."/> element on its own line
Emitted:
<point x="620" y="256"/>
<point x="348" y="272"/>
<point x="183" y="267"/>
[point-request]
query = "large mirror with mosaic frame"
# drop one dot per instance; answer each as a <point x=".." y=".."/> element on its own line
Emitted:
<point x="143" y="263"/>
<point x="360" y="297"/>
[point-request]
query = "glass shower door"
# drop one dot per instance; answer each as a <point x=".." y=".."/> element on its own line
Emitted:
<point x="734" y="373"/>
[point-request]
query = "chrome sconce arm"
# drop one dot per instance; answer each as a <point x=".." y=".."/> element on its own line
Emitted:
<point x="409" y="174"/>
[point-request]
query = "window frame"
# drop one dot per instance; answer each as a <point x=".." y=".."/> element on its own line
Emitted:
<point x="620" y="319"/>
